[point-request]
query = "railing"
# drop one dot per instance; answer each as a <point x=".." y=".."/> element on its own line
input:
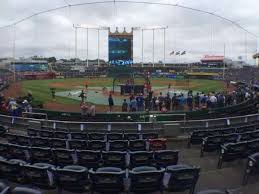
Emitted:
<point x="73" y="125"/>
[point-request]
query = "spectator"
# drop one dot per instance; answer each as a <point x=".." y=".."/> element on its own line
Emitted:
<point x="174" y="102"/>
<point x="190" y="102"/>
<point x="111" y="102"/>
<point x="197" y="101"/>
<point x="133" y="105"/>
<point x="124" y="107"/>
<point x="140" y="102"/>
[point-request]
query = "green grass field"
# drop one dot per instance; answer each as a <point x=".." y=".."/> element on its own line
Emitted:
<point x="41" y="88"/>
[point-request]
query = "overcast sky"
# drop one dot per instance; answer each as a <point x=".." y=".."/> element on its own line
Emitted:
<point x="52" y="34"/>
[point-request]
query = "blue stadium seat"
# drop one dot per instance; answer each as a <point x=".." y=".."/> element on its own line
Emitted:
<point x="107" y="180"/>
<point x="146" y="179"/>
<point x="97" y="145"/>
<point x="114" y="136"/>
<point x="19" y="152"/>
<point x="118" y="145"/>
<point x="150" y="135"/>
<point x="114" y="159"/>
<point x="32" y="132"/>
<point x="131" y="136"/>
<point x="23" y="140"/>
<point x="46" y="134"/>
<point x="97" y="136"/>
<point x="58" y="143"/>
<point x="12" y="170"/>
<point x="89" y="158"/>
<point x="179" y="178"/>
<point x="64" y="157"/>
<point x="137" y="145"/>
<point x="61" y="134"/>
<point x="4" y="150"/>
<point x="73" y="178"/>
<point x="164" y="158"/>
<point x="11" y="138"/>
<point x="44" y="155"/>
<point x="77" y="144"/>
<point x="40" y="175"/>
<point x="78" y="136"/>
<point x="40" y="142"/>
<point x="141" y="158"/>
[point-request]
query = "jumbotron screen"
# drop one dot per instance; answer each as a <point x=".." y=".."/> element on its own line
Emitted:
<point x="120" y="50"/>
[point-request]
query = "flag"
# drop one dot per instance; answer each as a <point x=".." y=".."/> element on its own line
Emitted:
<point x="183" y="53"/>
<point x="172" y="53"/>
<point x="178" y="53"/>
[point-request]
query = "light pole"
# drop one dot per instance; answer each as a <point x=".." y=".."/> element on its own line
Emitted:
<point x="88" y="27"/>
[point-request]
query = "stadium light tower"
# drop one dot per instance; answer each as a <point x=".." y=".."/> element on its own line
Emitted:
<point x="152" y="28"/>
<point x="88" y="27"/>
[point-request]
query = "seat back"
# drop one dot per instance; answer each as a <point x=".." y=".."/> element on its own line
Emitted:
<point x="166" y="158"/>
<point x="40" y="142"/>
<point x="141" y="158"/>
<point x="137" y="145"/>
<point x="89" y="158"/>
<point x="58" y="143"/>
<point x="118" y="145"/>
<point x="114" y="159"/>
<point x="40" y="175"/>
<point x="11" y="171"/>
<point x="97" y="145"/>
<point x="78" y="136"/>
<point x="73" y="178"/>
<point x="64" y="157"/>
<point x="77" y="144"/>
<point x="44" y="155"/>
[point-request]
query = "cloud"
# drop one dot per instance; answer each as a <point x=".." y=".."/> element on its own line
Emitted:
<point x="199" y="34"/>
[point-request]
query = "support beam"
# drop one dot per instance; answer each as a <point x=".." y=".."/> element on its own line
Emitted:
<point x="153" y="55"/>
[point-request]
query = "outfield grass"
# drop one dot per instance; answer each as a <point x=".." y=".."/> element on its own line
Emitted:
<point x="41" y="89"/>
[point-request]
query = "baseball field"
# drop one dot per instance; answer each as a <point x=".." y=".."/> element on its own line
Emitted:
<point x="68" y="90"/>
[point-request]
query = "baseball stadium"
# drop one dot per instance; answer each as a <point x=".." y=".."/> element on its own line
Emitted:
<point x="129" y="97"/>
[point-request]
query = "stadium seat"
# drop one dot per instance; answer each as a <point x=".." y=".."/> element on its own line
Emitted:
<point x="32" y="132"/>
<point x="40" y="175"/>
<point x="25" y="190"/>
<point x="73" y="178"/>
<point x="58" y="143"/>
<point x="179" y="178"/>
<point x="114" y="136"/>
<point x="23" y="140"/>
<point x="4" y="150"/>
<point x="196" y="137"/>
<point x="3" y="130"/>
<point x="97" y="136"/>
<point x="252" y="167"/>
<point x="77" y="144"/>
<point x="97" y="145"/>
<point x="107" y="180"/>
<point x="12" y="170"/>
<point x="141" y="158"/>
<point x="114" y="159"/>
<point x="131" y="136"/>
<point x="64" y="157"/>
<point x="137" y="145"/>
<point x="11" y="138"/>
<point x="61" y="135"/>
<point x="89" y="158"/>
<point x="232" y="151"/>
<point x="164" y="158"/>
<point x="39" y="155"/>
<point x="145" y="179"/>
<point x="19" y="152"/>
<point x="214" y="192"/>
<point x="40" y="142"/>
<point x="253" y="146"/>
<point x="46" y="133"/>
<point x="78" y="136"/>
<point x="118" y="145"/>
<point x="4" y="188"/>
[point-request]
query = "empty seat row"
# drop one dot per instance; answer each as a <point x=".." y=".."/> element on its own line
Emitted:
<point x="89" y="158"/>
<point x="92" y="135"/>
<point x="77" y="179"/>
<point x="233" y="151"/>
<point x="196" y="137"/>
<point x="213" y="143"/>
<point x="115" y="145"/>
